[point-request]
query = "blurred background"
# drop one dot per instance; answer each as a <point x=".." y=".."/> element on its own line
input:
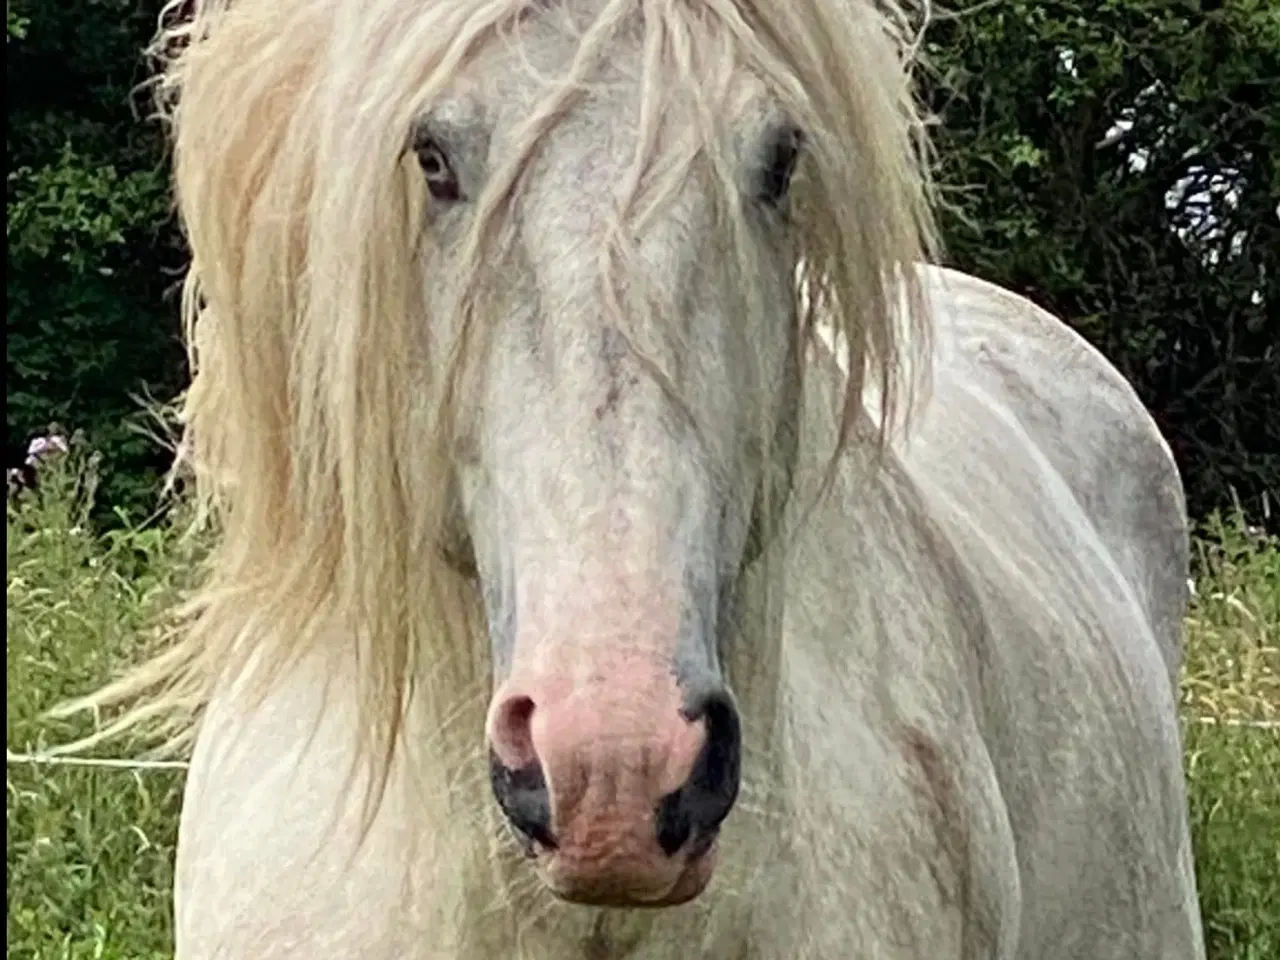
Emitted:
<point x="1114" y="161"/>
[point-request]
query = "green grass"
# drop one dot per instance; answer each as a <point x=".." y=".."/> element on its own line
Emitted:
<point x="1232" y="673"/>
<point x="89" y="852"/>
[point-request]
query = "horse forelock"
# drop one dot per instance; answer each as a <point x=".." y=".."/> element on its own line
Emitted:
<point x="304" y="211"/>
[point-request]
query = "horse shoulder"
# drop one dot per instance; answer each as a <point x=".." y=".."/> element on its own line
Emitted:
<point x="1088" y="422"/>
<point x="1067" y="509"/>
<point x="988" y="610"/>
<point x="899" y="808"/>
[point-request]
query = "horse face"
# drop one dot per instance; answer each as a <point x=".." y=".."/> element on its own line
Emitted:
<point x="610" y="458"/>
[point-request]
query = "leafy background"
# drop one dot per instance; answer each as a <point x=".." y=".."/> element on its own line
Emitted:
<point x="1114" y="161"/>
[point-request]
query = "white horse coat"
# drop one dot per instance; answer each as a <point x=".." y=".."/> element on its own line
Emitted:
<point x="973" y="751"/>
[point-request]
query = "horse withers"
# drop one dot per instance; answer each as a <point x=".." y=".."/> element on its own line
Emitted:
<point x="625" y="548"/>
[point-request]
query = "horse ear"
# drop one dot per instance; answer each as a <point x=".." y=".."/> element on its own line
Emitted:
<point x="776" y="478"/>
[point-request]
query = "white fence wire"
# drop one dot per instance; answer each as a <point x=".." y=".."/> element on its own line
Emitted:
<point x="105" y="763"/>
<point x="118" y="763"/>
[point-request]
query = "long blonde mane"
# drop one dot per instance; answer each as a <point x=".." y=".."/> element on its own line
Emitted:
<point x="304" y="424"/>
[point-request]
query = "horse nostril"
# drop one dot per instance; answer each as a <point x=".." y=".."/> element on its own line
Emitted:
<point x="698" y="808"/>
<point x="523" y="796"/>
<point x="511" y="731"/>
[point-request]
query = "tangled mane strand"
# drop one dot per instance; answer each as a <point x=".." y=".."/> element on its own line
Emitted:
<point x="290" y="121"/>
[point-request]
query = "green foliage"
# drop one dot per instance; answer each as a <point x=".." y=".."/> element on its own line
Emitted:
<point x="1046" y="197"/>
<point x="1232" y="674"/>
<point x="1181" y="290"/>
<point x="90" y="859"/>
<point x="92" y="246"/>
<point x="1234" y="775"/>
<point x="17" y="24"/>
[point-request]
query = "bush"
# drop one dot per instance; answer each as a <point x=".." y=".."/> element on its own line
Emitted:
<point x="1114" y="161"/>
<point x="93" y="250"/>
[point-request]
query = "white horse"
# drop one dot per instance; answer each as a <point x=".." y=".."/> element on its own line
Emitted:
<point x="624" y="550"/>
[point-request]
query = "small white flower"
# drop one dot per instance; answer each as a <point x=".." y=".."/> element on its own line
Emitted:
<point x="43" y="446"/>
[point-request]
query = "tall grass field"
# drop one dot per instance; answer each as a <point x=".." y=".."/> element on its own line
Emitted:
<point x="89" y="849"/>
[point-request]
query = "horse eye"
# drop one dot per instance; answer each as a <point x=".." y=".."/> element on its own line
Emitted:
<point x="781" y="157"/>
<point x="442" y="182"/>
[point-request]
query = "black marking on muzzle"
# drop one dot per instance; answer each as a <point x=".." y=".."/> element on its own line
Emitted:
<point x="692" y="815"/>
<point x="523" y="796"/>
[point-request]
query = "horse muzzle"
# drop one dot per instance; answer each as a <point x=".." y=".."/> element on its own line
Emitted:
<point x="617" y="786"/>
